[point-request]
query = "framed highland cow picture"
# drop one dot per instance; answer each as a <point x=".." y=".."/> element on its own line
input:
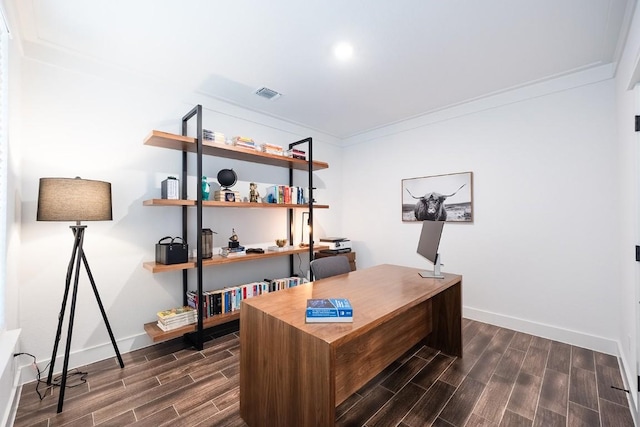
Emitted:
<point x="438" y="198"/>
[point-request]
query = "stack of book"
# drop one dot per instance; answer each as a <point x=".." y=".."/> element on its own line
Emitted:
<point x="331" y="310"/>
<point x="231" y="252"/>
<point x="245" y="142"/>
<point x="297" y="154"/>
<point x="272" y="149"/>
<point x="210" y="136"/>
<point x="226" y="196"/>
<point x="176" y="318"/>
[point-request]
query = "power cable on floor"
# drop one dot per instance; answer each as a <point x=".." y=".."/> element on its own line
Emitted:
<point x="55" y="382"/>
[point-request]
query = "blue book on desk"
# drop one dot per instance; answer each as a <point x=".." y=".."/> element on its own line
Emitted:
<point x="328" y="310"/>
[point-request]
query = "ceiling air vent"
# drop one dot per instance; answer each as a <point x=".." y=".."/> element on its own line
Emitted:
<point x="267" y="93"/>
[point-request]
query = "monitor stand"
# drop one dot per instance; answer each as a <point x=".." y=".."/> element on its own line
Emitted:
<point x="435" y="274"/>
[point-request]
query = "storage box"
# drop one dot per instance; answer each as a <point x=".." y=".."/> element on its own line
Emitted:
<point x="172" y="252"/>
<point x="170" y="188"/>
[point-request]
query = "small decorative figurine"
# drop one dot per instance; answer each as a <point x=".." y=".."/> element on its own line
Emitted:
<point x="233" y="240"/>
<point x="206" y="188"/>
<point x="253" y="193"/>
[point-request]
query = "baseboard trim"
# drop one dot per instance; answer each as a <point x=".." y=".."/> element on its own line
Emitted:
<point x="86" y="356"/>
<point x="630" y="383"/>
<point x="580" y="339"/>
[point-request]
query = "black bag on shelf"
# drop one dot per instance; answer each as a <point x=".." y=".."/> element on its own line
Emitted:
<point x="172" y="252"/>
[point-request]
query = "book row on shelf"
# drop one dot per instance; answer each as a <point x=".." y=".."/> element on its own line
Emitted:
<point x="286" y="194"/>
<point x="220" y="301"/>
<point x="226" y="300"/>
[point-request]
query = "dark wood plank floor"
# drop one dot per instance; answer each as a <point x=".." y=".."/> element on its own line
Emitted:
<point x="505" y="378"/>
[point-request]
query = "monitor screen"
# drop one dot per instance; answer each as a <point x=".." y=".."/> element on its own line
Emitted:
<point x="430" y="239"/>
<point x="428" y="245"/>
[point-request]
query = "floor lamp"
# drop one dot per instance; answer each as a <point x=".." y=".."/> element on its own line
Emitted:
<point x="74" y="199"/>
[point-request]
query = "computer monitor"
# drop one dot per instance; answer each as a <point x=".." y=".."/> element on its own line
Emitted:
<point x="428" y="247"/>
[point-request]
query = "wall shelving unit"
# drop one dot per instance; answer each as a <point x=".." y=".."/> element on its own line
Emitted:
<point x="186" y="144"/>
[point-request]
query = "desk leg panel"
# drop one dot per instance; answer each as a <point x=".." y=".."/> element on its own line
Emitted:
<point x="447" y="321"/>
<point x="285" y="374"/>
<point x="365" y="355"/>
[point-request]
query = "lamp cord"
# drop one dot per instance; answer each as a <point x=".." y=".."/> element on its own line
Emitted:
<point x="56" y="381"/>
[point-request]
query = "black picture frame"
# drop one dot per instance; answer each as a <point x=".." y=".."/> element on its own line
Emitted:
<point x="447" y="197"/>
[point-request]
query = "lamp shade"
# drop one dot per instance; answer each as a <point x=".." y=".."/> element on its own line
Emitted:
<point x="74" y="199"/>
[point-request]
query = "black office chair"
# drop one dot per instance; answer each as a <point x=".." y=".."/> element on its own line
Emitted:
<point x="330" y="266"/>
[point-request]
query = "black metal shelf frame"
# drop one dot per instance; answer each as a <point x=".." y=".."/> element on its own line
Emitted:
<point x="197" y="338"/>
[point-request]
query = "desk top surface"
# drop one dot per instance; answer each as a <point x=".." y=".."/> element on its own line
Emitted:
<point x="375" y="293"/>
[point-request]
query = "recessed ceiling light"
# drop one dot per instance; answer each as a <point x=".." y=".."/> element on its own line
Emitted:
<point x="343" y="51"/>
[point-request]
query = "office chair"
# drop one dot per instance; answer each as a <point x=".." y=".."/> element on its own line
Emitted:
<point x="330" y="266"/>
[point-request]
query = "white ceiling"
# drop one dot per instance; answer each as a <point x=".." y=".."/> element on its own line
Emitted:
<point x="411" y="56"/>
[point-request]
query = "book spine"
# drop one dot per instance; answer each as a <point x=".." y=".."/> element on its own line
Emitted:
<point x="217" y="306"/>
<point x="227" y="301"/>
<point x="272" y="194"/>
<point x="238" y="298"/>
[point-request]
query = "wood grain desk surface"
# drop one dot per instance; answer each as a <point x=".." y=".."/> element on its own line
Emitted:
<point x="375" y="293"/>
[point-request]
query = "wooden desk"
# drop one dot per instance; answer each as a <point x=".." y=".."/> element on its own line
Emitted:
<point x="295" y="374"/>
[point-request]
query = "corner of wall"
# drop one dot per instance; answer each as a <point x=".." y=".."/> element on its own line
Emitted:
<point x="629" y="383"/>
<point x="8" y="384"/>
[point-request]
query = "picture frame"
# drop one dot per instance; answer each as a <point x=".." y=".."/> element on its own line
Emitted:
<point x="447" y="197"/>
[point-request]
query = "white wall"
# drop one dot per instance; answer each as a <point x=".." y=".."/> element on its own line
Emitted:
<point x="543" y="253"/>
<point x="82" y="124"/>
<point x="13" y="186"/>
<point x="9" y="338"/>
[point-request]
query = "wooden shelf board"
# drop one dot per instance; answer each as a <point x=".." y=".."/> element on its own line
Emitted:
<point x="158" y="334"/>
<point x="184" y="143"/>
<point x="210" y="203"/>
<point x="220" y="260"/>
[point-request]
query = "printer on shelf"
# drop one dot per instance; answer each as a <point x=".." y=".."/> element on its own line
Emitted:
<point x="336" y="244"/>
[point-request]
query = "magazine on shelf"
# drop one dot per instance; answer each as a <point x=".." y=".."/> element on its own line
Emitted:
<point x="176" y="313"/>
<point x="172" y="326"/>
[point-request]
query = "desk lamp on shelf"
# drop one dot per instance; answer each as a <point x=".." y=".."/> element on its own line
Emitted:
<point x="76" y="200"/>
<point x="305" y="229"/>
